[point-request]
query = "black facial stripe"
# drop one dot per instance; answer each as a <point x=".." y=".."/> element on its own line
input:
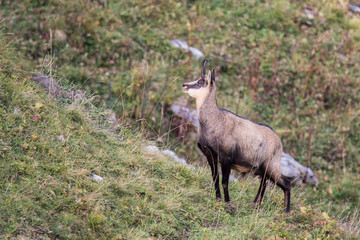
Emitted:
<point x="194" y="86"/>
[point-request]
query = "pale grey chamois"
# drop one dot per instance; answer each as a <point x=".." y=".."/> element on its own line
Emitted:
<point x="235" y="142"/>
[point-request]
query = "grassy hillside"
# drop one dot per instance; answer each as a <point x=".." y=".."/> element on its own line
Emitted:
<point x="49" y="149"/>
<point x="293" y="65"/>
<point x="275" y="63"/>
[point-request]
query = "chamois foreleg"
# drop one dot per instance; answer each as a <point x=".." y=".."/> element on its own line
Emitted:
<point x="212" y="159"/>
<point x="225" y="170"/>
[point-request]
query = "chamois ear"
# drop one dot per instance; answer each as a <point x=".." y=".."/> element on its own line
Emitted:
<point x="209" y="75"/>
<point x="213" y="76"/>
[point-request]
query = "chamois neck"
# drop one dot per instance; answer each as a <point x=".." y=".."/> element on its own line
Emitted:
<point x="207" y="106"/>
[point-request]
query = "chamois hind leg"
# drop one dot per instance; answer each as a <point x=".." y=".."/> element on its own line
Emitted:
<point x="212" y="159"/>
<point x="284" y="184"/>
<point x="260" y="194"/>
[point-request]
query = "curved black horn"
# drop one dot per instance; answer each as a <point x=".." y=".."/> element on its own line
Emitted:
<point x="203" y="72"/>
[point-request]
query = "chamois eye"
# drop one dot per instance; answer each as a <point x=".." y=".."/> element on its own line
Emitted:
<point x="201" y="81"/>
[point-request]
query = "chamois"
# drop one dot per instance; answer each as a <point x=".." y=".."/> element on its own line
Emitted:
<point x="235" y="142"/>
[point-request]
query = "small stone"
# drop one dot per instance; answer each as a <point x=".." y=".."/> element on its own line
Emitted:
<point x="152" y="149"/>
<point x="61" y="138"/>
<point x="60" y="35"/>
<point x="97" y="178"/>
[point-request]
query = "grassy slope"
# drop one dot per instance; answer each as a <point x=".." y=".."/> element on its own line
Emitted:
<point x="302" y="81"/>
<point x="46" y="191"/>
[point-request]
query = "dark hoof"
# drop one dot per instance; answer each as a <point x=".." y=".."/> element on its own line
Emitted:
<point x="230" y="207"/>
<point x="256" y="205"/>
<point x="286" y="210"/>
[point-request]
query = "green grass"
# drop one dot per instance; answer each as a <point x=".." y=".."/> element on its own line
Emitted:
<point x="303" y="81"/>
<point x="47" y="193"/>
<point x="47" y="190"/>
<point x="271" y="67"/>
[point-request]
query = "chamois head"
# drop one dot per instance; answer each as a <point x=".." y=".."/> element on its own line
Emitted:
<point x="201" y="87"/>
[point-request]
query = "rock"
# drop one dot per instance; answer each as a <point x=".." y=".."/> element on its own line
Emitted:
<point x="167" y="152"/>
<point x="75" y="95"/>
<point x="49" y="84"/>
<point x="179" y="44"/>
<point x="196" y="53"/>
<point x="295" y="172"/>
<point x="354" y="8"/>
<point x="172" y="154"/>
<point x="97" y="178"/>
<point x="17" y="111"/>
<point x="309" y="13"/>
<point x="61" y="138"/>
<point x="4" y="147"/>
<point x="56" y="90"/>
<point x="112" y="118"/>
<point x="60" y="35"/>
<point x="188" y="114"/>
<point x="152" y="149"/>
<point x="183" y="45"/>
